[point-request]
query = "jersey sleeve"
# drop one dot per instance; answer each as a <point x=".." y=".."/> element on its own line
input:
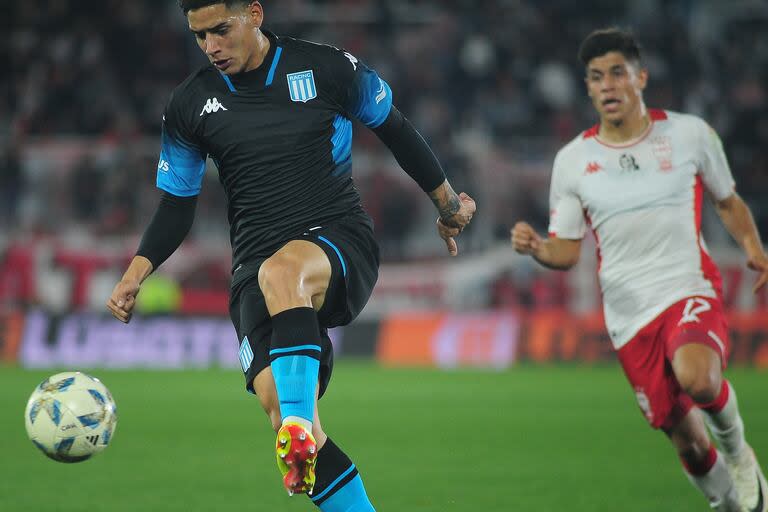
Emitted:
<point x="566" y="213"/>
<point x="182" y="162"/>
<point x="713" y="164"/>
<point x="359" y="89"/>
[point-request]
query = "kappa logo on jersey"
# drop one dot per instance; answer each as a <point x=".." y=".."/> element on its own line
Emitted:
<point x="302" y="86"/>
<point x="592" y="168"/>
<point x="211" y="106"/>
<point x="693" y="308"/>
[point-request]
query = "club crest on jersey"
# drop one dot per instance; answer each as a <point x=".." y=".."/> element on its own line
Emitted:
<point x="662" y="150"/>
<point x="628" y="163"/>
<point x="302" y="86"/>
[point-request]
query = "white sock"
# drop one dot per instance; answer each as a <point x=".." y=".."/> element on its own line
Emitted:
<point x="717" y="487"/>
<point x="727" y="427"/>
<point x="301" y="421"/>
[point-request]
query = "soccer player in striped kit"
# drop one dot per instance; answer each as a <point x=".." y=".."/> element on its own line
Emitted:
<point x="638" y="179"/>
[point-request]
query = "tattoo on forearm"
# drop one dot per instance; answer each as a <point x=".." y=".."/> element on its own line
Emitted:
<point x="446" y="201"/>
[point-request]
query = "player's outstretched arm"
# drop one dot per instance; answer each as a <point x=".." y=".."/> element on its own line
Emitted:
<point x="167" y="229"/>
<point x="739" y="222"/>
<point x="417" y="159"/>
<point x="555" y="253"/>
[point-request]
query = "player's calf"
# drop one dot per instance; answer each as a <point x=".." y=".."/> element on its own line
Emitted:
<point x="704" y="466"/>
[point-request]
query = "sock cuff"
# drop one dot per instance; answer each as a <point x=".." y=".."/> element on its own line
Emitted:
<point x="702" y="467"/>
<point x="295" y="332"/>
<point x="334" y="470"/>
<point x="718" y="404"/>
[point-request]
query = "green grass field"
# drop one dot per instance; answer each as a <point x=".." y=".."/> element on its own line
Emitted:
<point x="530" y="438"/>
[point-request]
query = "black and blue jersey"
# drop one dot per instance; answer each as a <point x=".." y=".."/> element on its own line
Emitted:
<point x="281" y="137"/>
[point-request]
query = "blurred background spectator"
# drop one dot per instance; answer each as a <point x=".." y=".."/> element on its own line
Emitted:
<point x="494" y="86"/>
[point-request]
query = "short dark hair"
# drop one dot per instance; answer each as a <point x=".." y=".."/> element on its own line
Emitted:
<point x="605" y="40"/>
<point x="189" y="5"/>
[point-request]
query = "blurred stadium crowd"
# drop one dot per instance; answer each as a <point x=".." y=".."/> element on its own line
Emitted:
<point x="494" y="86"/>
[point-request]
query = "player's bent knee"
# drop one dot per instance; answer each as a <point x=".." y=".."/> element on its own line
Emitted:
<point x="279" y="272"/>
<point x="282" y="281"/>
<point x="702" y="386"/>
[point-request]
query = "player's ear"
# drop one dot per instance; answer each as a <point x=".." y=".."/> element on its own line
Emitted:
<point x="256" y="12"/>
<point x="642" y="78"/>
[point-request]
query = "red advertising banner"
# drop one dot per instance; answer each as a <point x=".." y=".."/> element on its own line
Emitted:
<point x="449" y="340"/>
<point x="497" y="339"/>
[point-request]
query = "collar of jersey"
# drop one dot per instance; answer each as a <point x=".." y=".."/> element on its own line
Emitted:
<point x="256" y="78"/>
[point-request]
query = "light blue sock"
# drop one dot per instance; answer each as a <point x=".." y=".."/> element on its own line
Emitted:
<point x="295" y="361"/>
<point x="296" y="380"/>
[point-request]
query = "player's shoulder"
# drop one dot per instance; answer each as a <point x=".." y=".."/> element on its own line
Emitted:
<point x="197" y="83"/>
<point x="311" y="50"/>
<point x="575" y="146"/>
<point x="681" y="120"/>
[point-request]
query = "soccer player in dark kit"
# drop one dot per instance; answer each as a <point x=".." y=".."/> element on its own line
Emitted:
<point x="274" y="114"/>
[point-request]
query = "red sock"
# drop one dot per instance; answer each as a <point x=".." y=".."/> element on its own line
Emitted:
<point x="701" y="467"/>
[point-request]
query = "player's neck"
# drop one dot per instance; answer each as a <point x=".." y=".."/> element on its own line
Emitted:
<point x="631" y="127"/>
<point x="262" y="48"/>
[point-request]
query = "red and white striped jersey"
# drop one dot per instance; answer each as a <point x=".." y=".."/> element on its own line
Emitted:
<point x="643" y="202"/>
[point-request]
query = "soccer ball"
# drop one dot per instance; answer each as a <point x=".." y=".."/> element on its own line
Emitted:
<point x="71" y="417"/>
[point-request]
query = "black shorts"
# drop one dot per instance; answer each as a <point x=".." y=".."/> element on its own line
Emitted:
<point x="354" y="256"/>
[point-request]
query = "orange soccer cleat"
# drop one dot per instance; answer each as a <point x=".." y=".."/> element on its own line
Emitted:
<point x="296" y="456"/>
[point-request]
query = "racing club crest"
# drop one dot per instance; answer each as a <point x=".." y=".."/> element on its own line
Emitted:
<point x="302" y="86"/>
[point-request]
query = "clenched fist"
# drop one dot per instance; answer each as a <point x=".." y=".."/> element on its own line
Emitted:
<point x="524" y="238"/>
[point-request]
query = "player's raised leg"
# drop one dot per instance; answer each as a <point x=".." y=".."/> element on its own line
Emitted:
<point x="338" y="486"/>
<point x="704" y="465"/>
<point x="698" y="368"/>
<point x="294" y="281"/>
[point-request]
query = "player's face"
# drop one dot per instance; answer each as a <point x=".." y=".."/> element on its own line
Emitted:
<point x="228" y="37"/>
<point x="615" y="86"/>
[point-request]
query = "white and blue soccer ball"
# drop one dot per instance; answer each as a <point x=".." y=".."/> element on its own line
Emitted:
<point x="71" y="417"/>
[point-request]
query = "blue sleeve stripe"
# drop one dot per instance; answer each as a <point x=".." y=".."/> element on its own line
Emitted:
<point x="272" y="68"/>
<point x="228" y="81"/>
<point x="338" y="253"/>
<point x="333" y="484"/>
<point x="294" y="349"/>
